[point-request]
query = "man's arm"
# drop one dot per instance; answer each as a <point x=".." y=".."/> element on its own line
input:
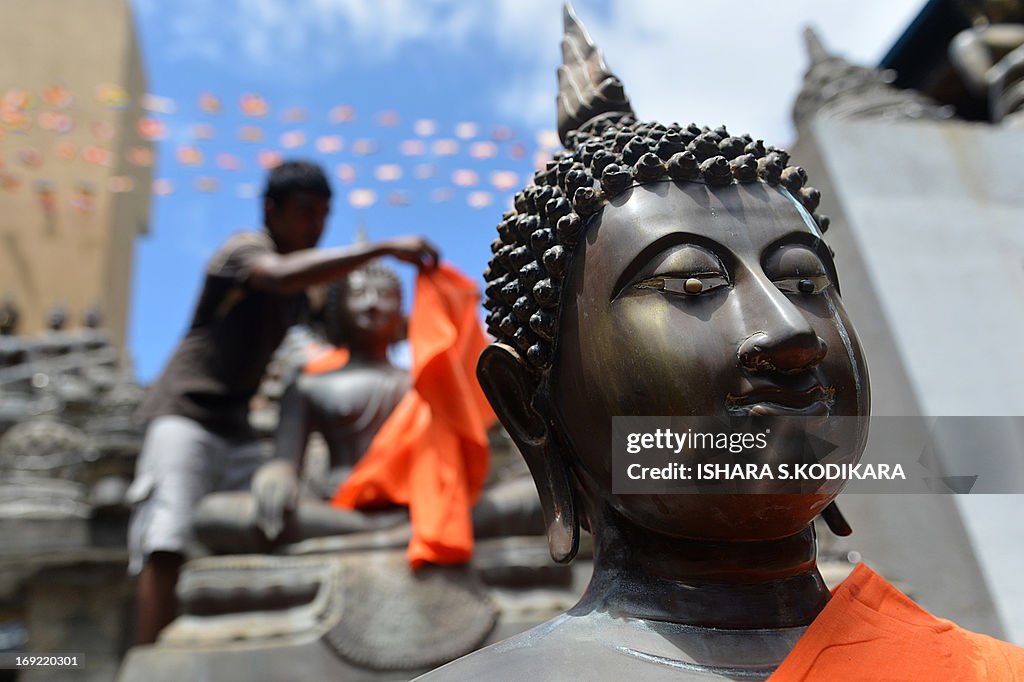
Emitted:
<point x="294" y="272"/>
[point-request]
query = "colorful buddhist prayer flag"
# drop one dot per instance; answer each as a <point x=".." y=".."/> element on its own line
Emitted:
<point x="207" y="184"/>
<point x="386" y="119"/>
<point x="442" y="195"/>
<point x="58" y="97"/>
<point x="341" y="113"/>
<point x="548" y="139"/>
<point x="362" y="198"/>
<point x="364" y="146"/>
<point x="517" y="151"/>
<point x="188" y="155"/>
<point x="504" y="180"/>
<point x="464" y="177"/>
<point x="425" y="127"/>
<point x="294" y="115"/>
<point x="253" y="105"/>
<point x="346" y="172"/>
<point x="292" y="139"/>
<point x="202" y="131"/>
<point x="112" y="96"/>
<point x="157" y="105"/>
<point x="445" y="147"/>
<point x="466" y="129"/>
<point x="102" y="130"/>
<point x="398" y="198"/>
<point x="411" y="147"/>
<point x="268" y="159"/>
<point x="250" y="134"/>
<point x="9" y="181"/>
<point x="424" y="171"/>
<point x="388" y="172"/>
<point x="16" y="120"/>
<point x="96" y="155"/>
<point x="329" y="144"/>
<point x="55" y="122"/>
<point x="228" y="162"/>
<point x="17" y="100"/>
<point x="121" y="183"/>
<point x="483" y="150"/>
<point x="66" y="150"/>
<point x="162" y="187"/>
<point x="140" y="156"/>
<point x="247" y="190"/>
<point x="479" y="199"/>
<point x="151" y="128"/>
<point x="501" y="133"/>
<point x="210" y="103"/>
<point x="30" y="157"/>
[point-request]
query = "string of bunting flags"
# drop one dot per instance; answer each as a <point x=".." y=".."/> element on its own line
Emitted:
<point x="382" y="158"/>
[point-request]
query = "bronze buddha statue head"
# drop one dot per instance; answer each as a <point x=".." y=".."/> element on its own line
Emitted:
<point x="363" y="311"/>
<point x="655" y="269"/>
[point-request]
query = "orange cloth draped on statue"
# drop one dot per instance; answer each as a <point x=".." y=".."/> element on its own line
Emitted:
<point x="327" y="361"/>
<point x="870" y="631"/>
<point x="432" y="452"/>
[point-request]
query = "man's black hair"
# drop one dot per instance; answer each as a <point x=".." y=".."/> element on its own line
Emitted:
<point x="290" y="176"/>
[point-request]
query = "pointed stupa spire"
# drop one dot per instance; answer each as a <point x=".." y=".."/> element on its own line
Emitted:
<point x="816" y="51"/>
<point x="362" y="236"/>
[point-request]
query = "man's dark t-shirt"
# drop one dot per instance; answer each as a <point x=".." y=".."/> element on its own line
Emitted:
<point x="218" y="366"/>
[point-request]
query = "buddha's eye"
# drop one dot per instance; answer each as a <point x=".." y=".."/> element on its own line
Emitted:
<point x="690" y="284"/>
<point x="797" y="269"/>
<point x="804" y="285"/>
<point x="686" y="270"/>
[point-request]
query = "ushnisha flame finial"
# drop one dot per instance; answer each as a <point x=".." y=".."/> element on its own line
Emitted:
<point x="587" y="90"/>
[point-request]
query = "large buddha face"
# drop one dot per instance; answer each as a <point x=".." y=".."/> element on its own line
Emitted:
<point x="690" y="300"/>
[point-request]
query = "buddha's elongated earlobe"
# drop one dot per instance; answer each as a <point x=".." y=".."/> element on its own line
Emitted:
<point x="508" y="383"/>
<point x="835" y="520"/>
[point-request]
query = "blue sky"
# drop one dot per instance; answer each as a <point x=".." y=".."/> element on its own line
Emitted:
<point x="490" y="63"/>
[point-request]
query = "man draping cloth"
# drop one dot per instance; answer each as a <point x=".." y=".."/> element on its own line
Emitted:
<point x="870" y="631"/>
<point x="432" y="452"/>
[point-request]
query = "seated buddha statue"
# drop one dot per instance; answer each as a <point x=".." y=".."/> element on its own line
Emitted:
<point x="346" y="405"/>
<point x="656" y="269"/>
<point x="345" y="396"/>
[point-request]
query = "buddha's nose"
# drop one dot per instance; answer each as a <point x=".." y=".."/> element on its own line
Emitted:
<point x="786" y="343"/>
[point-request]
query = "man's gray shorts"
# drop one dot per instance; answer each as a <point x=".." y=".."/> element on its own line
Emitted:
<point x="180" y="463"/>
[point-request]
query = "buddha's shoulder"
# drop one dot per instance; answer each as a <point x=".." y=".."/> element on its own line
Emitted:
<point x="545" y="652"/>
<point x="567" y="647"/>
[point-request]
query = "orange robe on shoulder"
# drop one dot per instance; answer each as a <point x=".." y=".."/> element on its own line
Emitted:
<point x="432" y="453"/>
<point x="871" y="632"/>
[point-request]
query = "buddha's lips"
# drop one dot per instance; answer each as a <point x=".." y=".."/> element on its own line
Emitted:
<point x="785" y="397"/>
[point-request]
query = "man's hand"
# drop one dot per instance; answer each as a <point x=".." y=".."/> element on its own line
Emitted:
<point x="275" y="488"/>
<point x="413" y="249"/>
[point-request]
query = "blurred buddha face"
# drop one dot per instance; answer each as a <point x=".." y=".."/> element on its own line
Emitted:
<point x="370" y="310"/>
<point x="690" y="300"/>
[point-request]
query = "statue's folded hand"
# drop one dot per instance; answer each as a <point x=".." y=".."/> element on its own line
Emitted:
<point x="275" y="488"/>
